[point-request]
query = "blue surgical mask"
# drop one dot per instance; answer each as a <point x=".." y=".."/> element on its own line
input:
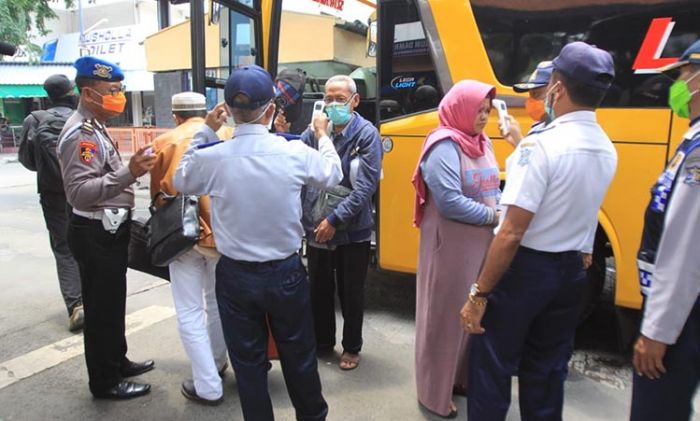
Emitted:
<point x="339" y="113"/>
<point x="549" y="105"/>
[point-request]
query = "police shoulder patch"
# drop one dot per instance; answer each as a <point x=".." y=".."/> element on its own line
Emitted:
<point x="524" y="158"/>
<point x="692" y="176"/>
<point x="87" y="151"/>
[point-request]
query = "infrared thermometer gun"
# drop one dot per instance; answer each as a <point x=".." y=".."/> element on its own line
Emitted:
<point x="318" y="109"/>
<point x="502" y="109"/>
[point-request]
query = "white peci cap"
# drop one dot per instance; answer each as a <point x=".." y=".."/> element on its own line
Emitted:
<point x="189" y="101"/>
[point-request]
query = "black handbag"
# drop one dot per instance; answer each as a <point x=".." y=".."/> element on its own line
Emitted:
<point x="174" y="227"/>
<point x="326" y="203"/>
<point x="139" y="256"/>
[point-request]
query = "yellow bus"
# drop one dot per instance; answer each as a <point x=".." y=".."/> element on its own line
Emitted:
<point x="419" y="48"/>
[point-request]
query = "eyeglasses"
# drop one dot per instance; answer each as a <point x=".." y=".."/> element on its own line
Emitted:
<point x="114" y="91"/>
<point x="342" y="100"/>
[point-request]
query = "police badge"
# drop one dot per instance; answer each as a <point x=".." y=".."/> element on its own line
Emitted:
<point x="693" y="176"/>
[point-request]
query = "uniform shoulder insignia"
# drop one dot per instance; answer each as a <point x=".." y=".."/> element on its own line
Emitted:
<point x="210" y="144"/>
<point x="87" y="127"/>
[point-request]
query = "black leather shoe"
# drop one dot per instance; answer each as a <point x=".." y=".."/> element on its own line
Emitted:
<point x="190" y="393"/>
<point x="124" y="390"/>
<point x="130" y="368"/>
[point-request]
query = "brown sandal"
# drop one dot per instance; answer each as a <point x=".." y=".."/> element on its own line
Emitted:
<point x="349" y="361"/>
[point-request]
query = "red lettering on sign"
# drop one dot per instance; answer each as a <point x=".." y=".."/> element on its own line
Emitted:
<point x="335" y="4"/>
<point x="649" y="56"/>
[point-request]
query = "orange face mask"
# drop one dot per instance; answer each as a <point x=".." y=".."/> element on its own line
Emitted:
<point x="115" y="104"/>
<point x="534" y="108"/>
<point x="111" y="103"/>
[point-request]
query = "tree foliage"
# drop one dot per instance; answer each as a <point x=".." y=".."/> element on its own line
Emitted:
<point x="19" y="17"/>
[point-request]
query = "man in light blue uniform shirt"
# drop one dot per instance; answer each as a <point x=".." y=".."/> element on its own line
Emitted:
<point x="254" y="182"/>
<point x="523" y="309"/>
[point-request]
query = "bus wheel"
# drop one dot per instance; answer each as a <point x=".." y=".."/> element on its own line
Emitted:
<point x="595" y="275"/>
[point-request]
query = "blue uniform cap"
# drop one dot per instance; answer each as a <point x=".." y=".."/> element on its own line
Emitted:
<point x="252" y="81"/>
<point x="585" y="63"/>
<point x="538" y="78"/>
<point x="98" y="69"/>
<point x="690" y="56"/>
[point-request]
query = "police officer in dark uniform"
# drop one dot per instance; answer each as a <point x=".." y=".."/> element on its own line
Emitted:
<point x="97" y="187"/>
<point x="667" y="353"/>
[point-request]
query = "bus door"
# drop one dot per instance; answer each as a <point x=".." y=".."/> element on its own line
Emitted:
<point x="413" y="77"/>
<point x="233" y="34"/>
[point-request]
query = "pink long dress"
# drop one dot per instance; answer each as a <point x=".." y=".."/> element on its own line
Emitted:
<point x="451" y="255"/>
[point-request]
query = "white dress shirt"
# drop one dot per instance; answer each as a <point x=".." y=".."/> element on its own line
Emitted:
<point x="561" y="174"/>
<point x="255" y="181"/>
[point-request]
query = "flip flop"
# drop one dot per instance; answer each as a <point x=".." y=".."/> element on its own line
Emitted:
<point x="349" y="361"/>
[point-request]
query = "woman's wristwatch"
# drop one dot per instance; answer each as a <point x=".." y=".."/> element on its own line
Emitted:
<point x="476" y="296"/>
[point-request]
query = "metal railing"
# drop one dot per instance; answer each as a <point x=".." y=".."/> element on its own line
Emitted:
<point x="127" y="139"/>
<point x="130" y="139"/>
<point x="10" y="138"/>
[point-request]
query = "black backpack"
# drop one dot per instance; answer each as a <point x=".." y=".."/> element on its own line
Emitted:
<point x="45" y="141"/>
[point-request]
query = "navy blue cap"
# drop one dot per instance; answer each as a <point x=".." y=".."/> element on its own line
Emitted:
<point x="538" y="78"/>
<point x="252" y="81"/>
<point x="98" y="69"/>
<point x="585" y="63"/>
<point x="690" y="56"/>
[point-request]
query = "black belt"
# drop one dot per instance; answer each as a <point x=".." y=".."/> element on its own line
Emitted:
<point x="262" y="264"/>
<point x="553" y="254"/>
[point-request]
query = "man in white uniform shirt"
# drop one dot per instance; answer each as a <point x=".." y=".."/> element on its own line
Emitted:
<point x="533" y="277"/>
<point x="254" y="182"/>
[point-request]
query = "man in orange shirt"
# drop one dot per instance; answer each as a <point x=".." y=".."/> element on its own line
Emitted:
<point x="192" y="275"/>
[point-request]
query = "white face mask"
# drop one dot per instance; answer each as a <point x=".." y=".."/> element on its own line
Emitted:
<point x="262" y="114"/>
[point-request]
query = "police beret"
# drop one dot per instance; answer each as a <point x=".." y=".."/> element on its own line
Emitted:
<point x="98" y="69"/>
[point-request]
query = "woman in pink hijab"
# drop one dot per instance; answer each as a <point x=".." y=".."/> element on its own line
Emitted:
<point x="457" y="188"/>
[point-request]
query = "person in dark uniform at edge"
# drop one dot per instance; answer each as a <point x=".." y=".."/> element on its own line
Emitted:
<point x="536" y="87"/>
<point x="667" y="353"/>
<point x="98" y="187"/>
<point x="62" y="103"/>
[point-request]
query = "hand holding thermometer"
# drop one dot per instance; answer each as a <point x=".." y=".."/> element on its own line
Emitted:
<point x="318" y="108"/>
<point x="502" y="109"/>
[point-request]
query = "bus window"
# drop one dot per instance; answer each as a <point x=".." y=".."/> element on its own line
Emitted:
<point x="408" y="83"/>
<point x="518" y="35"/>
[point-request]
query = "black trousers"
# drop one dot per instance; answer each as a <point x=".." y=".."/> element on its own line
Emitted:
<point x="245" y="293"/>
<point x="671" y="396"/>
<point x="55" y="211"/>
<point x="346" y="267"/>
<point x="530" y="323"/>
<point x="102" y="259"/>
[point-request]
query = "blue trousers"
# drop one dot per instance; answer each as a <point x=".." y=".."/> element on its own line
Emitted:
<point x="670" y="398"/>
<point x="530" y="323"/>
<point x="245" y="293"/>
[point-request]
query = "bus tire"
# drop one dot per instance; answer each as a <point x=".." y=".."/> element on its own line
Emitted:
<point x="595" y="276"/>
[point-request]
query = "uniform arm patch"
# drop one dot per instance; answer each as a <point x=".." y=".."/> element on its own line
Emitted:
<point x="692" y="177"/>
<point x="87" y="151"/>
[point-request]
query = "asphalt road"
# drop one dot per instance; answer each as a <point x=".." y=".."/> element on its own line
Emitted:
<point x="43" y="375"/>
